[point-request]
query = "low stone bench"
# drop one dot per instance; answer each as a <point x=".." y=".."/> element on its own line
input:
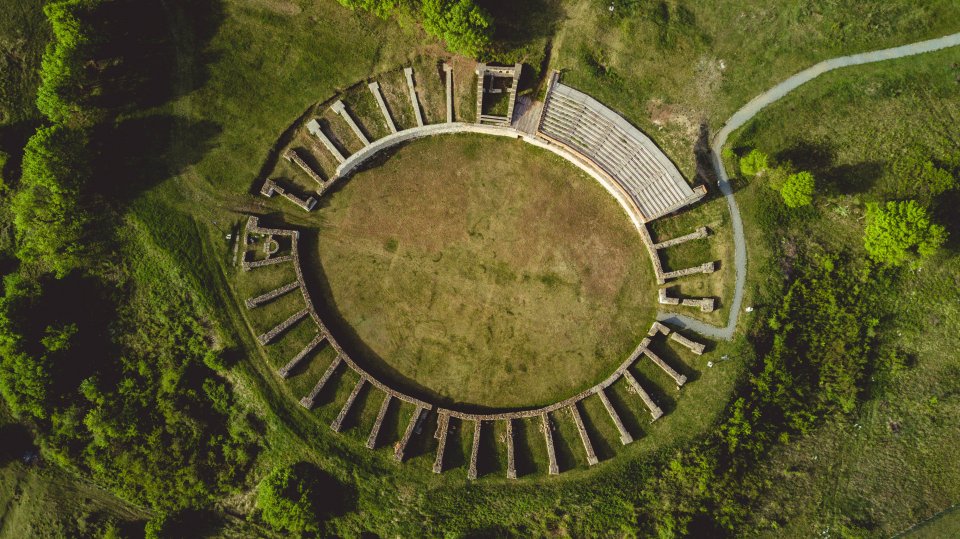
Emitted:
<point x="448" y="76"/>
<point x="680" y="379"/>
<point x="401" y="446"/>
<point x="313" y="127"/>
<point x="695" y="347"/>
<point x="247" y="266"/>
<point x="270" y="188"/>
<point x="292" y="156"/>
<point x="408" y="73"/>
<point x="655" y="411"/>
<point x="337" y="424"/>
<point x="308" y="401"/>
<point x="664" y="299"/>
<point x="547" y="429"/>
<point x="707" y="267"/>
<point x="584" y="436"/>
<point x="511" y="458"/>
<point x="341" y="109"/>
<point x="375" y="90"/>
<point x="375" y="430"/>
<point x="292" y="364"/>
<point x="625" y="437"/>
<point x="443" y="424"/>
<point x="475" y="450"/>
<point x="269" y="336"/>
<point x="700" y="233"/>
<point x="271" y="295"/>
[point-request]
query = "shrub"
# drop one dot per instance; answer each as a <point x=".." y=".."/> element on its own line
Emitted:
<point x="64" y="83"/>
<point x="287" y="500"/>
<point x="754" y="163"/>
<point x="797" y="191"/>
<point x="47" y="210"/>
<point x="462" y="24"/>
<point x="899" y="231"/>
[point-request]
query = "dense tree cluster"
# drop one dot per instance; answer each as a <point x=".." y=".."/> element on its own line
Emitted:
<point x="899" y="231"/>
<point x="107" y="359"/>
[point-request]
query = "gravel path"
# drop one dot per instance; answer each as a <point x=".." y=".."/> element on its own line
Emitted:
<point x="744" y="115"/>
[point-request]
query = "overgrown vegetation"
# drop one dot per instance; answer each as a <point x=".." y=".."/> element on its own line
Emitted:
<point x="100" y="349"/>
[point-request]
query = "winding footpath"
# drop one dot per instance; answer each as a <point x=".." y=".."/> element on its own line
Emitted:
<point x="740" y="118"/>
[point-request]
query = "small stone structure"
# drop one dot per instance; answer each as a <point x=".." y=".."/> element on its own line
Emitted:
<point x="443" y="423"/>
<point x="475" y="450"/>
<point x="342" y="416"/>
<point x="655" y="411"/>
<point x="695" y="347"/>
<point x="677" y="377"/>
<point x="706" y="267"/>
<point x="284" y="371"/>
<point x="511" y="457"/>
<point x="270" y="187"/>
<point x="487" y="78"/>
<point x="705" y="305"/>
<point x="308" y="401"/>
<point x="375" y="430"/>
<point x="269" y="336"/>
<point x="375" y="90"/>
<point x="408" y="73"/>
<point x="313" y="127"/>
<point x="401" y="446"/>
<point x="625" y="437"/>
<point x="292" y="156"/>
<point x="547" y="429"/>
<point x="584" y="436"/>
<point x="271" y="295"/>
<point x="448" y="78"/>
<point x="341" y="109"/>
<point x="699" y="233"/>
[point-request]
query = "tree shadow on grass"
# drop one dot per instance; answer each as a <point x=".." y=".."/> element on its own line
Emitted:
<point x="139" y="153"/>
<point x="519" y="23"/>
<point x="156" y="51"/>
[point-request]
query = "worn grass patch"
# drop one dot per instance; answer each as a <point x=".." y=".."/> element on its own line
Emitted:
<point x="470" y="267"/>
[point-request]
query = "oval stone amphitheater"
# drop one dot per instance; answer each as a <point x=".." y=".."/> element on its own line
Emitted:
<point x="568" y="123"/>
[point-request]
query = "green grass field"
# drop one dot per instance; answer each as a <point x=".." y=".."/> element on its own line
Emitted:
<point x="482" y="271"/>
<point x="891" y="464"/>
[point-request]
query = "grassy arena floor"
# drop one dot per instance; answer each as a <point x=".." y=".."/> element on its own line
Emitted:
<point x="483" y="271"/>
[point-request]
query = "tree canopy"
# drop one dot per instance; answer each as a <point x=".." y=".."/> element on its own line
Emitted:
<point x="462" y="24"/>
<point x="798" y="190"/>
<point x="899" y="231"/>
<point x="287" y="499"/>
<point x="754" y="163"/>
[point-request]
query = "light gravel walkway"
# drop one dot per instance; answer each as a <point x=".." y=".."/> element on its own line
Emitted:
<point x="744" y="115"/>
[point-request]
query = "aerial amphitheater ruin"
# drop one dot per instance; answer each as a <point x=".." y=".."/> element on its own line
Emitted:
<point x="566" y="122"/>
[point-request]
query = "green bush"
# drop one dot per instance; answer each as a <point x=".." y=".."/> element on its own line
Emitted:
<point x="798" y="190"/>
<point x="64" y="66"/>
<point x="48" y="211"/>
<point x="462" y="24"/>
<point x="754" y="163"/>
<point x="287" y="499"/>
<point x="899" y="231"/>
